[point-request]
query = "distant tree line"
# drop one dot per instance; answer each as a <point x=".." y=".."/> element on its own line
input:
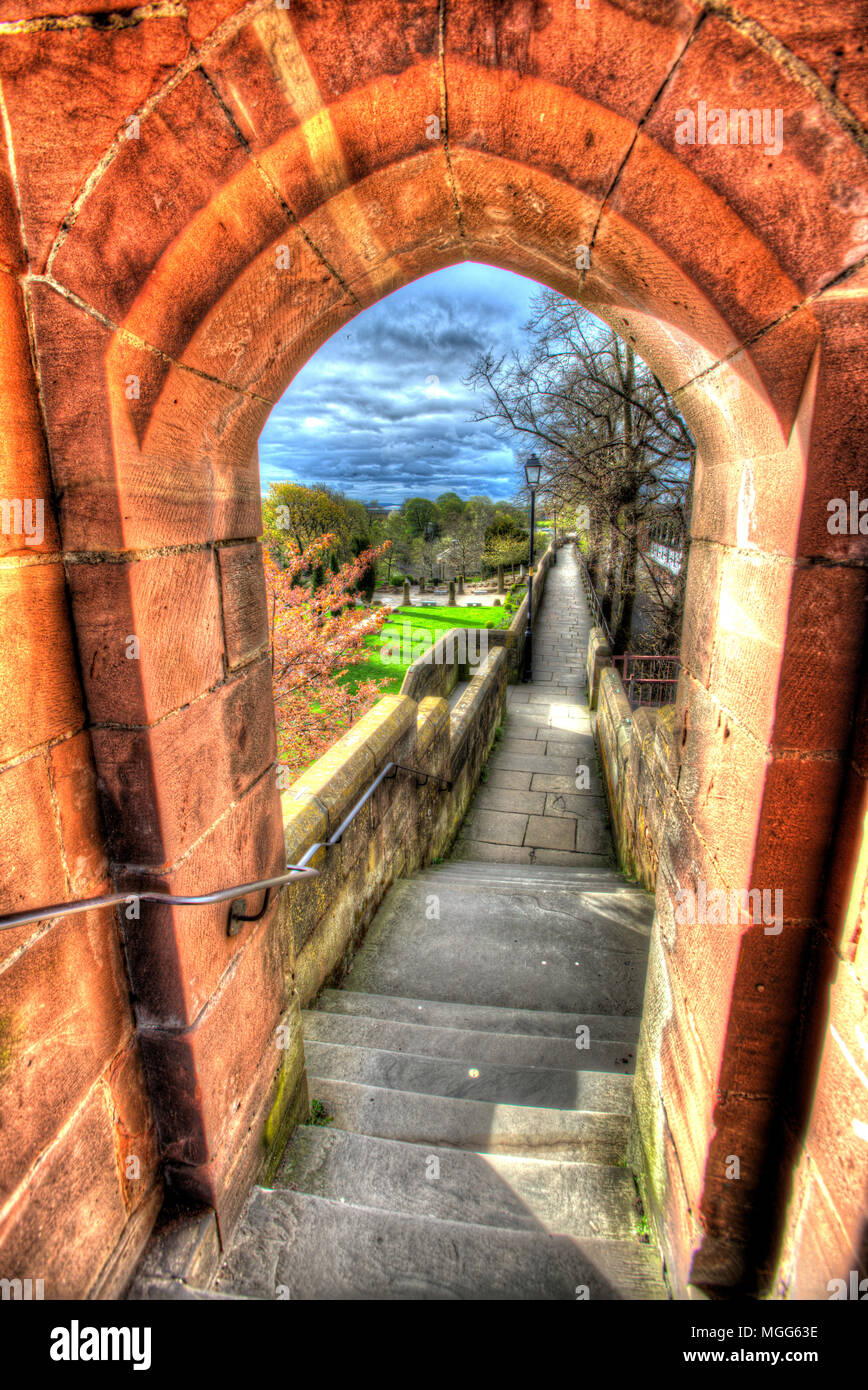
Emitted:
<point x="470" y="536"/>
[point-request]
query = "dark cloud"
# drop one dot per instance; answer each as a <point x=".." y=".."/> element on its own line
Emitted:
<point x="380" y="411"/>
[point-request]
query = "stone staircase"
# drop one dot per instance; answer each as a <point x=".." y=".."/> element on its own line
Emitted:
<point x="472" y="1150"/>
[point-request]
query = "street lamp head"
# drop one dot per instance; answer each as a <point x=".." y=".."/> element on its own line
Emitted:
<point x="532" y="471"/>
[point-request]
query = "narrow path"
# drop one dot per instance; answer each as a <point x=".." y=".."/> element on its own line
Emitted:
<point x="476" y="1065"/>
<point x="542" y="800"/>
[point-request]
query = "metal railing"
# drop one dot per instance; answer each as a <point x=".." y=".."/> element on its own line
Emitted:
<point x="648" y="680"/>
<point x="668" y="557"/>
<point x="591" y="596"/>
<point x="236" y="895"/>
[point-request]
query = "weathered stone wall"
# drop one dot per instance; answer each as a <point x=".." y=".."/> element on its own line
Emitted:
<point x="406" y="823"/>
<point x="80" y="1177"/>
<point x="825" y="1133"/>
<point x="818" y="1233"/>
<point x="639" y="773"/>
<point x="438" y="671"/>
<point x="472" y="723"/>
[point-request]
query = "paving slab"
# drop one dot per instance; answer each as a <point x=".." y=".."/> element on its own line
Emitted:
<point x="490" y="798"/>
<point x="511" y="744"/>
<point x="538" y="762"/>
<point x="497" y="827"/>
<point x="550" y="832"/>
<point x="543" y="781"/>
<point x="509" y="780"/>
<point x="587" y="805"/>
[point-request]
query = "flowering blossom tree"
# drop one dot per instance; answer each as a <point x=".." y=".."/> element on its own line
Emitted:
<point x="315" y="638"/>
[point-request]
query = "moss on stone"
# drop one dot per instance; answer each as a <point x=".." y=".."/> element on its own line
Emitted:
<point x="6" y="1043"/>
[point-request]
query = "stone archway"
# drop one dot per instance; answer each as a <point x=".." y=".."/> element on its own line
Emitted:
<point x="228" y="188"/>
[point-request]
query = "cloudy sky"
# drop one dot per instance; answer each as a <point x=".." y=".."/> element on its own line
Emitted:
<point x="380" y="411"/>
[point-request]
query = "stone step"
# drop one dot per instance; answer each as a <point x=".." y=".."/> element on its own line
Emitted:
<point x="472" y="1048"/>
<point x="525" y="943"/>
<point x="477" y="1018"/>
<point x="576" y="1199"/>
<point x="519" y="1130"/>
<point x="545" y="1087"/>
<point x="151" y="1289"/>
<point x="292" y="1245"/>
<point x="483" y="851"/>
<point x="593" y="880"/>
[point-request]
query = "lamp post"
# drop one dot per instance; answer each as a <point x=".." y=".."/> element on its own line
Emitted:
<point x="532" y="470"/>
<point x="555" y="535"/>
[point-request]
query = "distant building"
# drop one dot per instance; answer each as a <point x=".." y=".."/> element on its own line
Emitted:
<point x="660" y="538"/>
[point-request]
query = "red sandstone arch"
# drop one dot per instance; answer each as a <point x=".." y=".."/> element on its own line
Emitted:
<point x="741" y="280"/>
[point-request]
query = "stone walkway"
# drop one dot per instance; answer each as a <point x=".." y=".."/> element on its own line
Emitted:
<point x="475" y="1069"/>
<point x="529" y="809"/>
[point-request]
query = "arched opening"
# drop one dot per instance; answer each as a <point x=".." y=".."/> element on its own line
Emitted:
<point x="281" y="178"/>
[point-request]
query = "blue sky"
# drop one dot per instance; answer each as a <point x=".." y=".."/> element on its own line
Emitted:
<point x="380" y="412"/>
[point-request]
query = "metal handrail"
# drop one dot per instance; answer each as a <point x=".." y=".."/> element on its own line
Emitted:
<point x="631" y="667"/>
<point x="591" y="595"/>
<point x="222" y="895"/>
<point x="362" y="801"/>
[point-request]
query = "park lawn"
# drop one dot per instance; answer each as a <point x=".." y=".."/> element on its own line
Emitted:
<point x="427" y="624"/>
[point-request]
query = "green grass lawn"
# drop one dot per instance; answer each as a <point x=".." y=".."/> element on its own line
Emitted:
<point x="426" y="625"/>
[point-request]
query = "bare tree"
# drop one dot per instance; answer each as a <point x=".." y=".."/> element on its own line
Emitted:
<point x="610" y="438"/>
<point x="465" y="543"/>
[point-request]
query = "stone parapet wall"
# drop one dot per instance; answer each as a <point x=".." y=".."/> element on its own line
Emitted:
<point x="472" y="723"/>
<point x="639" y="771"/>
<point x="447" y="662"/>
<point x="406" y="823"/>
<point x="438" y="671"/>
<point x="821" y="1227"/>
<point x="599" y="657"/>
